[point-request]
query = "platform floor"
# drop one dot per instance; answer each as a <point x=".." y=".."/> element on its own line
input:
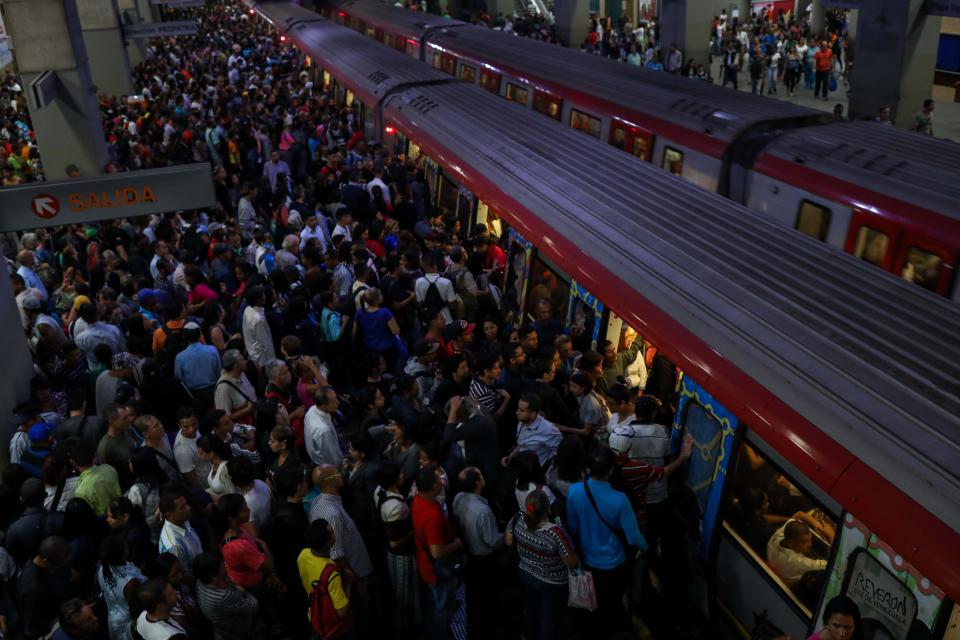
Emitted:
<point x="946" y="117"/>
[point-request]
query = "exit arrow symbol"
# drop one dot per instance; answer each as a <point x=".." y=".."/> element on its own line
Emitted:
<point x="45" y="206"/>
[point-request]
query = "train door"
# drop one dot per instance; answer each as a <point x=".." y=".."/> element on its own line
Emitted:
<point x="584" y="318"/>
<point x="467" y="72"/>
<point x="547" y="104"/>
<point x="755" y="571"/>
<point x="633" y="140"/>
<point x="713" y="428"/>
<point x="490" y="80"/>
<point x="915" y="258"/>
<point x="488" y="217"/>
<point x="519" y="257"/>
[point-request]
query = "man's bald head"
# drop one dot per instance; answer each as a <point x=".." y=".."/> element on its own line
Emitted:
<point x="327" y="478"/>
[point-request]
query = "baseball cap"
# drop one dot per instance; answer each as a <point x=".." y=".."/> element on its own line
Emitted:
<point x="40" y="432"/>
<point x="423" y="347"/>
<point x="458" y="328"/>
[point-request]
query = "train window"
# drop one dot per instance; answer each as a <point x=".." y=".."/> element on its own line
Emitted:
<point x="468" y="73"/>
<point x="922" y="267"/>
<point x="585" y="122"/>
<point x="388" y="39"/>
<point x="490" y="81"/>
<point x="437" y="60"/>
<point x="327" y="79"/>
<point x="813" y="220"/>
<point x="516" y="93"/>
<point x="547" y="104"/>
<point x="641" y="147"/>
<point x="631" y="140"/>
<point x="409" y="47"/>
<point x="780" y="527"/>
<point x="673" y="161"/>
<point x="872" y="245"/>
<point x="449" y="194"/>
<point x="371" y="33"/>
<point x="547" y="282"/>
<point x="449" y="64"/>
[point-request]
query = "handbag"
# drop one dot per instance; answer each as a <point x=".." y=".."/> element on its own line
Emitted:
<point x="581" y="593"/>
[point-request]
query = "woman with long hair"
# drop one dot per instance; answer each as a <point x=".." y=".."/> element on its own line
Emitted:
<point x="145" y="490"/>
<point x="546" y="553"/>
<point x="216" y="453"/>
<point x="118" y="579"/>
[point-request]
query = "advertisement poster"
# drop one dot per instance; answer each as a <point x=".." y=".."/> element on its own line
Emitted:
<point x="895" y="601"/>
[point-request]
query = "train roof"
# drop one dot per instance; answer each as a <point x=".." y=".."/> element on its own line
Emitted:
<point x="628" y="89"/>
<point x="409" y="24"/>
<point x="369" y="71"/>
<point x="893" y="161"/>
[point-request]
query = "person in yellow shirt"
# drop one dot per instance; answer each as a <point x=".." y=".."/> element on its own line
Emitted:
<point x="315" y="558"/>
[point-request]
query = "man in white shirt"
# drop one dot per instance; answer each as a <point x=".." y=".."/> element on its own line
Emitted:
<point x="377" y="181"/>
<point x="430" y="277"/>
<point x="644" y="441"/>
<point x="313" y="230"/>
<point x="194" y="470"/>
<point x="319" y="432"/>
<point x="27" y="261"/>
<point x="344" y="225"/>
<point x="177" y="536"/>
<point x="256" y="332"/>
<point x="787" y="552"/>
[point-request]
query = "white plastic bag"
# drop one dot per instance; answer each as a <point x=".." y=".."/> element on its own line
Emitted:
<point x="582" y="594"/>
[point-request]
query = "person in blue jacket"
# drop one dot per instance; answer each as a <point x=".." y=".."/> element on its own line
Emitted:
<point x="603" y="524"/>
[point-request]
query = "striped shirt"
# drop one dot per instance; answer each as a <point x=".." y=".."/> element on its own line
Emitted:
<point x="182" y="542"/>
<point x="542" y="549"/>
<point x="485" y="396"/>
<point x="232" y="611"/>
<point x="647" y="443"/>
<point x="347" y="541"/>
<point x="638" y="476"/>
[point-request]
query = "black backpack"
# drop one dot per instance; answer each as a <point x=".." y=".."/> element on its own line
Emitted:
<point x="432" y="299"/>
<point x="175" y="343"/>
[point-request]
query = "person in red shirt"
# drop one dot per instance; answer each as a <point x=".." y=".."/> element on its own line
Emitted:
<point x="823" y="64"/>
<point x="439" y="554"/>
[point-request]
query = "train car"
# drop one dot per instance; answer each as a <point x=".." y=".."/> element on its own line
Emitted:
<point x="808" y="377"/>
<point x="725" y="141"/>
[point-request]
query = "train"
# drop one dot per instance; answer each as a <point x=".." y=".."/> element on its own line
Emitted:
<point x="885" y="195"/>
<point x="807" y="377"/>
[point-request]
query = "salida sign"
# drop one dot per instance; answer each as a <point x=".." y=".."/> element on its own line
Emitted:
<point x="46" y="206"/>
<point x="114" y="196"/>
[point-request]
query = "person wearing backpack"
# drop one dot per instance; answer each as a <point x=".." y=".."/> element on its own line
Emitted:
<point x="326" y="587"/>
<point x="464" y="284"/>
<point x="433" y="291"/>
<point x="170" y="332"/>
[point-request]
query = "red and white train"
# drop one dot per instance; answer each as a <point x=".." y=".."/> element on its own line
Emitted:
<point x="887" y="196"/>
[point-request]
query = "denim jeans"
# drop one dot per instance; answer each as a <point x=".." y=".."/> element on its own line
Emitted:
<point x="544" y="604"/>
<point x="439" y="609"/>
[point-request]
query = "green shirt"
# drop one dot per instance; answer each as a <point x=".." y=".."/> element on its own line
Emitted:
<point x="98" y="485"/>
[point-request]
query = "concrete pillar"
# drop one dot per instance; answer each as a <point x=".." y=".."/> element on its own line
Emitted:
<point x="17" y="363"/>
<point x="46" y="36"/>
<point x="687" y="22"/>
<point x="137" y="12"/>
<point x="853" y="16"/>
<point x="572" y="21"/>
<point x="896" y="53"/>
<point x="106" y="49"/>
<point x="818" y="18"/>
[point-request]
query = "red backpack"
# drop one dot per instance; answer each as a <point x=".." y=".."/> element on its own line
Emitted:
<point x="323" y="616"/>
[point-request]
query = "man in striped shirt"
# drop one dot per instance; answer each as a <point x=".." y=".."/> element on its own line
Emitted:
<point x="637" y="475"/>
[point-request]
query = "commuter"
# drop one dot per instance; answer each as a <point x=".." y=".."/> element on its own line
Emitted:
<point x="923" y="122"/>
<point x="601" y="520"/>
<point x="823" y="63"/>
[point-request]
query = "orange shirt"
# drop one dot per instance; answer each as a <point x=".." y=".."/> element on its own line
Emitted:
<point x="823" y="60"/>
